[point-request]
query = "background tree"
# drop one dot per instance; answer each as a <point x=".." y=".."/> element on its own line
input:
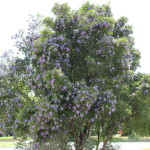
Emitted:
<point x="139" y="123"/>
<point x="132" y="105"/>
<point x="9" y="97"/>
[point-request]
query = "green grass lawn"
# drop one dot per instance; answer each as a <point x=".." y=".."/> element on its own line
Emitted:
<point x="125" y="139"/>
<point x="10" y="142"/>
<point x="6" y="138"/>
<point x="7" y="141"/>
<point x="119" y="138"/>
<point x="129" y="139"/>
<point x="7" y="144"/>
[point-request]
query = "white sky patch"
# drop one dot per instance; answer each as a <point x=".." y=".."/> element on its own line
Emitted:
<point x="14" y="15"/>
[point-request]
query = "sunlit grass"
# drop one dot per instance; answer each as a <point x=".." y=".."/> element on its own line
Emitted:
<point x="6" y="138"/>
<point x="119" y="138"/>
<point x="7" y="141"/>
<point x="7" y="144"/>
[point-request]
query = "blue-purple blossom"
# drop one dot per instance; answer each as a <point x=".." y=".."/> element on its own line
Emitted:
<point x="64" y="88"/>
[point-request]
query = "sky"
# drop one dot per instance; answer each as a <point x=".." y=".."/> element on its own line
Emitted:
<point x="14" y="15"/>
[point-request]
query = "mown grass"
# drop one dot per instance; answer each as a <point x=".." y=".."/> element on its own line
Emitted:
<point x="7" y="141"/>
<point x="6" y="138"/>
<point x="130" y="139"/>
<point x="10" y="142"/>
<point x="7" y="144"/>
<point x="119" y="138"/>
<point x="125" y="139"/>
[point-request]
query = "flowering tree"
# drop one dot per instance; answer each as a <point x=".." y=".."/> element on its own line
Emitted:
<point x="71" y="75"/>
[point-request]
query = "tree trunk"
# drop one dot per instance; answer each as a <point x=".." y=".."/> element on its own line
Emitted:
<point x="80" y="142"/>
<point x="108" y="137"/>
<point x="104" y="145"/>
<point x="98" y="138"/>
<point x="79" y="147"/>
